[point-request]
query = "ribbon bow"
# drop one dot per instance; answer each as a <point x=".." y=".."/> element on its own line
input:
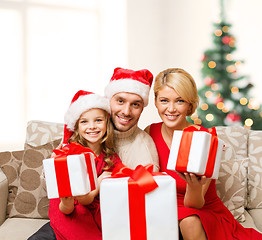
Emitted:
<point x="142" y="176"/>
<point x="140" y="182"/>
<point x="72" y="149"/>
<point x="212" y="130"/>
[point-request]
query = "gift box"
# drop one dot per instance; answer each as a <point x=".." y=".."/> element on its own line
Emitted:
<point x="140" y="206"/>
<point x="196" y="151"/>
<point x="69" y="175"/>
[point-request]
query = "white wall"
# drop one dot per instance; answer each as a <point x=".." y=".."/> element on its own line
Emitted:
<point x="175" y="33"/>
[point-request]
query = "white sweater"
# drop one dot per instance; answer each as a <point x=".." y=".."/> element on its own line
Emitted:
<point x="135" y="147"/>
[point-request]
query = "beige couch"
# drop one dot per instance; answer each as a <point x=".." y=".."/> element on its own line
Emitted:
<point x="23" y="201"/>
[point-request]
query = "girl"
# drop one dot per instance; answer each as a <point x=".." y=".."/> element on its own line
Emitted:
<point x="86" y="123"/>
<point x="201" y="213"/>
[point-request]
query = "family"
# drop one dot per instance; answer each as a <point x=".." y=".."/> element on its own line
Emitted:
<point x="109" y="127"/>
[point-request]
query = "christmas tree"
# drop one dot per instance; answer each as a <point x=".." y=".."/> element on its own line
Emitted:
<point x="224" y="98"/>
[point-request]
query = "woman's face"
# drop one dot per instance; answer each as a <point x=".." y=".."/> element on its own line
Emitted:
<point x="172" y="108"/>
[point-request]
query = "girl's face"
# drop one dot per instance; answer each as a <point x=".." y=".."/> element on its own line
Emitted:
<point x="172" y="108"/>
<point x="92" y="125"/>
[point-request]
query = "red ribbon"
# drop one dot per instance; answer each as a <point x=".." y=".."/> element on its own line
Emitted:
<point x="184" y="149"/>
<point x="140" y="182"/>
<point x="61" y="168"/>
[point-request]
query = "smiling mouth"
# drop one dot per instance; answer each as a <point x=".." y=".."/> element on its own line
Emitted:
<point x="123" y="120"/>
<point x="93" y="133"/>
<point x="171" y="117"/>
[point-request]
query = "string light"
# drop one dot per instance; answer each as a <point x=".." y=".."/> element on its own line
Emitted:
<point x="253" y="104"/>
<point x="209" y="117"/>
<point x="248" y="122"/>
<point x="212" y="64"/>
<point x="243" y="101"/>
<point x="194" y="116"/>
<point x="225" y="29"/>
<point x="232" y="42"/>
<point x="234" y="90"/>
<point x="214" y="86"/>
<point x="229" y="57"/>
<point x="225" y="110"/>
<point x="231" y="68"/>
<point x="218" y="32"/>
<point x="208" y="94"/>
<point x="197" y="121"/>
<point x="238" y="63"/>
<point x="204" y="106"/>
<point x="220" y="105"/>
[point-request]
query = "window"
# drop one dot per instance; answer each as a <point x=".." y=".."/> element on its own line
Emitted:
<point x="49" y="50"/>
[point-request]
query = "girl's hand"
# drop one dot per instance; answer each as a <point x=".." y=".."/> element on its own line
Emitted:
<point x="66" y="205"/>
<point x="87" y="198"/>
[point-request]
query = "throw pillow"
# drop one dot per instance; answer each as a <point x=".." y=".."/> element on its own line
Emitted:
<point x="40" y="132"/>
<point x="31" y="200"/>
<point x="255" y="170"/>
<point x="232" y="182"/>
<point x="10" y="163"/>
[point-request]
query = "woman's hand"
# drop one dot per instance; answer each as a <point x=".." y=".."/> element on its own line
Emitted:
<point x="195" y="190"/>
<point x="66" y="205"/>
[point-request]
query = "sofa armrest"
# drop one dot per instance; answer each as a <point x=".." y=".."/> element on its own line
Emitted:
<point x="3" y="196"/>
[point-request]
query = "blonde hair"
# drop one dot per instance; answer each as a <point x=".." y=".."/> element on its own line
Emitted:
<point x="182" y="82"/>
<point x="107" y="140"/>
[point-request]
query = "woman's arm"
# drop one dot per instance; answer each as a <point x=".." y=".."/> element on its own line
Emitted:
<point x="196" y="190"/>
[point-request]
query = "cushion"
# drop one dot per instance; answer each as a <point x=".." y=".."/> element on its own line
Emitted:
<point x="232" y="182"/>
<point x="40" y="132"/>
<point x="10" y="163"/>
<point x="255" y="170"/>
<point x="256" y="214"/>
<point x="31" y="199"/>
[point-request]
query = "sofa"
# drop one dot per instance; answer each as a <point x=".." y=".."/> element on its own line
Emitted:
<point x="24" y="203"/>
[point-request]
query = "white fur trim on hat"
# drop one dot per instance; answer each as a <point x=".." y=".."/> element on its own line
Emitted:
<point x="82" y="104"/>
<point x="129" y="86"/>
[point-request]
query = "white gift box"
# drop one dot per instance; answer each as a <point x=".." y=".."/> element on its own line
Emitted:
<point x="196" y="154"/>
<point x="160" y="210"/>
<point x="72" y="175"/>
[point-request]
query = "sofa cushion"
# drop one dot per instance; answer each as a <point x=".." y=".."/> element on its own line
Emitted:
<point x="40" y="132"/>
<point x="232" y="182"/>
<point x="10" y="163"/>
<point x="20" y="228"/>
<point x="255" y="170"/>
<point x="31" y="199"/>
<point x="256" y="215"/>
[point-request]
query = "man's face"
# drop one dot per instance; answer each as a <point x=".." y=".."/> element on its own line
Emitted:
<point x="126" y="109"/>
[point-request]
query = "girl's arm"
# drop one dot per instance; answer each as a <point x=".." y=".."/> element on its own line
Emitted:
<point x="66" y="205"/>
<point x="89" y="198"/>
<point x="196" y="190"/>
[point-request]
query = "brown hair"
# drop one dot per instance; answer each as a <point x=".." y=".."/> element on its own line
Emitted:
<point x="107" y="140"/>
<point x="182" y="82"/>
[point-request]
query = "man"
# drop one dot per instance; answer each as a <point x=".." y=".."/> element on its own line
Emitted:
<point x="128" y="92"/>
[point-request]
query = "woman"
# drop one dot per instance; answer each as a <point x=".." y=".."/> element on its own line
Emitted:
<point x="201" y="213"/>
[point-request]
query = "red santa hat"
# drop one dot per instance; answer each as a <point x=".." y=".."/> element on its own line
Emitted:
<point x="81" y="102"/>
<point x="126" y="80"/>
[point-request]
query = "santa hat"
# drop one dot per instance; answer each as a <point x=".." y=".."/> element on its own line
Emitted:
<point x="81" y="102"/>
<point x="126" y="80"/>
